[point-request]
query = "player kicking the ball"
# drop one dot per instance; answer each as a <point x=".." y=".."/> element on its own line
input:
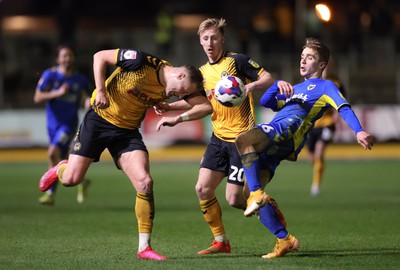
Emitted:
<point x="266" y="145"/>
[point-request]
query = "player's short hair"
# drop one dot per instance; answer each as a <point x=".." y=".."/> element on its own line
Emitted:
<point x="65" y="46"/>
<point x="195" y="76"/>
<point x="212" y="23"/>
<point x="320" y="48"/>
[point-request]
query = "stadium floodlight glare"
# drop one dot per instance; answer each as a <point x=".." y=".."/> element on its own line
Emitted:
<point x="323" y="12"/>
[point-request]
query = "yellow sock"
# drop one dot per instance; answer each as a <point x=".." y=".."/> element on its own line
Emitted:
<point x="318" y="171"/>
<point x="213" y="215"/>
<point x="144" y="209"/>
<point x="60" y="171"/>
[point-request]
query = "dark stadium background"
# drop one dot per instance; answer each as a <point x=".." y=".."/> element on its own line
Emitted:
<point x="363" y="37"/>
<point x="354" y="224"/>
<point x="369" y="49"/>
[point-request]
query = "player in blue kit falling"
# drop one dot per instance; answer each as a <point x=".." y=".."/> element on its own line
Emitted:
<point x="62" y="88"/>
<point x="266" y="145"/>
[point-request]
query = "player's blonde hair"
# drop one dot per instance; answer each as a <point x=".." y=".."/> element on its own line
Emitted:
<point x="212" y="23"/>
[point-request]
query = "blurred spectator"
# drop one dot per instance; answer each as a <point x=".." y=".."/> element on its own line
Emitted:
<point x="62" y="88"/>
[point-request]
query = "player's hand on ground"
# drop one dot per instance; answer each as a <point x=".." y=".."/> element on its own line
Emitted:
<point x="285" y="88"/>
<point x="365" y="140"/>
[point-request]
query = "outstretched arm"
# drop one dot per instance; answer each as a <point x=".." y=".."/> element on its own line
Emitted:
<point x="363" y="138"/>
<point x="264" y="81"/>
<point x="164" y="107"/>
<point x="198" y="105"/>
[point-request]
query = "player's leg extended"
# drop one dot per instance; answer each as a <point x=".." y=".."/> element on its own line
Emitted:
<point x="70" y="172"/>
<point x="206" y="185"/>
<point x="270" y="215"/>
<point x="249" y="144"/>
<point x="135" y="165"/>
<point x="272" y="218"/>
<point x="73" y="172"/>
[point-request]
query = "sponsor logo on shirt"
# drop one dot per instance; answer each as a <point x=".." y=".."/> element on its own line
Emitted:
<point x="299" y="98"/>
<point x="143" y="98"/>
<point x="130" y="54"/>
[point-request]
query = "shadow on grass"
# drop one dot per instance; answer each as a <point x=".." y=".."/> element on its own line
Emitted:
<point x="352" y="252"/>
<point x="309" y="254"/>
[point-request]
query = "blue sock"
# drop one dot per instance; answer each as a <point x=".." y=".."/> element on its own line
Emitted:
<point x="269" y="219"/>
<point x="251" y="168"/>
<point x="53" y="188"/>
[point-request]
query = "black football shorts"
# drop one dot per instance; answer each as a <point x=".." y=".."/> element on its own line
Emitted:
<point x="223" y="156"/>
<point x="95" y="134"/>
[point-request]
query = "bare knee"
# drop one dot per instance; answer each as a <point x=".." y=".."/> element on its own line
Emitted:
<point x="70" y="182"/>
<point x="71" y="178"/>
<point x="237" y="205"/>
<point x="203" y="190"/>
<point x="237" y="201"/>
<point x="143" y="183"/>
<point x="207" y="183"/>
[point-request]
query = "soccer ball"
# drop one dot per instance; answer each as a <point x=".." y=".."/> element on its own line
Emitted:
<point x="230" y="91"/>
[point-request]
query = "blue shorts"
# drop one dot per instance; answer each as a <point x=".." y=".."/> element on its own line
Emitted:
<point x="61" y="136"/>
<point x="280" y="147"/>
<point x="96" y="134"/>
<point x="223" y="156"/>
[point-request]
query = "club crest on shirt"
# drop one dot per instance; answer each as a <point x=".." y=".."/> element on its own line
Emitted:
<point x="130" y="54"/>
<point x="311" y="87"/>
<point x="254" y="64"/>
<point x="77" y="146"/>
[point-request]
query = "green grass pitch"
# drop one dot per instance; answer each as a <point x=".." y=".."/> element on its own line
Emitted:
<point x="353" y="224"/>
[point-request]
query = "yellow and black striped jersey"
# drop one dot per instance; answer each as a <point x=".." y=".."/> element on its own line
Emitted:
<point x="229" y="122"/>
<point x="132" y="88"/>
